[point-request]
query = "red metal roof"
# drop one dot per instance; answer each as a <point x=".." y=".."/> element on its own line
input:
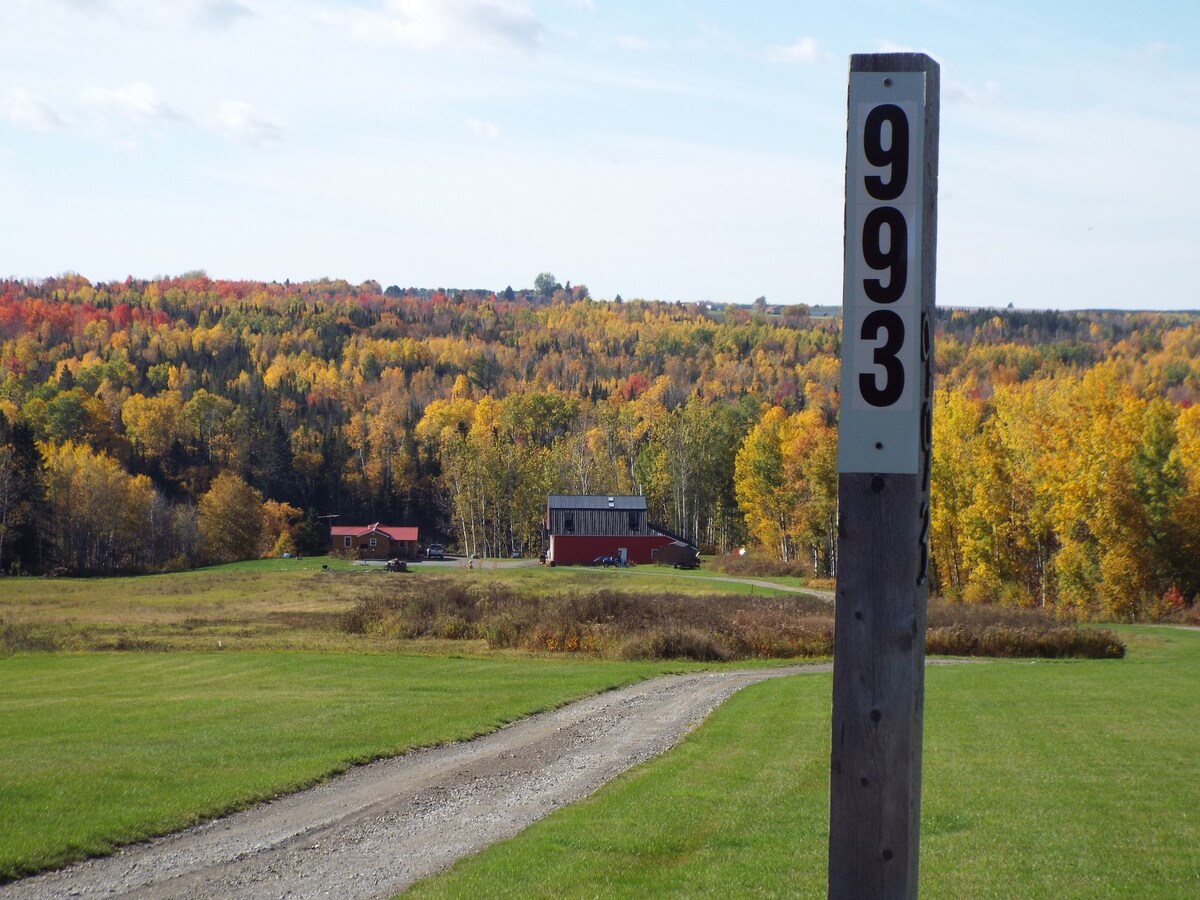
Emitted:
<point x="398" y="532"/>
<point x="394" y="532"/>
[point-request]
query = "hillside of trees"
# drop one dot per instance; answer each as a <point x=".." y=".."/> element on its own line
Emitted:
<point x="161" y="424"/>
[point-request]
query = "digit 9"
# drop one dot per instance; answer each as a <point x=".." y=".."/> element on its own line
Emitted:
<point x="894" y="258"/>
<point x="894" y="157"/>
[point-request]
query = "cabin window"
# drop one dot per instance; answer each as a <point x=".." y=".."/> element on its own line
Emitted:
<point x="347" y="542"/>
<point x="372" y="543"/>
<point x="568" y="524"/>
<point x="633" y="521"/>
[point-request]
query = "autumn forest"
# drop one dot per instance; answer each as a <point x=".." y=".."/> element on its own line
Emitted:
<point x="154" y="425"/>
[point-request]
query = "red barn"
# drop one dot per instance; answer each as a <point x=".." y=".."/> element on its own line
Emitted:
<point x="374" y="541"/>
<point x="581" y="529"/>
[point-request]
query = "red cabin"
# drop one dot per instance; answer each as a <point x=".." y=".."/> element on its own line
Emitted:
<point x="374" y="541"/>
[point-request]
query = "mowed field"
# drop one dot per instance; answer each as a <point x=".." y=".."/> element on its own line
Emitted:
<point x="103" y="749"/>
<point x="1041" y="779"/>
<point x="175" y="698"/>
<point x="1047" y="778"/>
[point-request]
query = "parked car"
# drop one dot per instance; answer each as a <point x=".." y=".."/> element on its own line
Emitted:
<point x="435" y="551"/>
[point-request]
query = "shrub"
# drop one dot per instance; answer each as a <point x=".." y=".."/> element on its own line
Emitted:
<point x="367" y="612"/>
<point x="707" y="627"/>
<point x="802" y="639"/>
<point x="454" y="628"/>
<point x="1052" y="642"/>
<point x="675" y="643"/>
<point x="126" y="642"/>
<point x="757" y="566"/>
<point x="963" y="629"/>
<point x="21" y="638"/>
<point x="1186" y="615"/>
<point x="501" y="632"/>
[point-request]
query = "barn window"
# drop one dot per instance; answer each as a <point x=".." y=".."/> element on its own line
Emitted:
<point x="372" y="542"/>
<point x="348" y="542"/>
<point x="568" y="523"/>
<point x="633" y="521"/>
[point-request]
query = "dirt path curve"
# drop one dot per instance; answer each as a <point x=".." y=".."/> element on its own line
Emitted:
<point x="819" y="593"/>
<point x="380" y="827"/>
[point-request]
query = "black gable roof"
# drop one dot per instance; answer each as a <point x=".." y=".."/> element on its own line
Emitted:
<point x="597" y="501"/>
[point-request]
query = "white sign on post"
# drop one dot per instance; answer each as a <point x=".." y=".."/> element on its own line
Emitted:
<point x="884" y="338"/>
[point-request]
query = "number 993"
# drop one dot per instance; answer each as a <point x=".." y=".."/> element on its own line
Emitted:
<point x="884" y="243"/>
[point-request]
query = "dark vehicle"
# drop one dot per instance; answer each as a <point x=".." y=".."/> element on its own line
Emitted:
<point x="435" y="551"/>
<point x="679" y="555"/>
<point x="609" y="561"/>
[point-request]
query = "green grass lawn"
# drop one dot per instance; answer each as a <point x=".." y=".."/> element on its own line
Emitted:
<point x="1041" y="779"/>
<point x="99" y="750"/>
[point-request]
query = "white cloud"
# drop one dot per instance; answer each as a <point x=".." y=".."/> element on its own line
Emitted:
<point x="220" y="13"/>
<point x="215" y="14"/>
<point x="1150" y="52"/>
<point x="139" y="101"/>
<point x="26" y="110"/>
<point x="973" y="94"/>
<point x="434" y="24"/>
<point x="241" y="122"/>
<point x="803" y="50"/>
<point x="484" y="131"/>
<point x="87" y="5"/>
<point x="710" y="35"/>
<point x="632" y="42"/>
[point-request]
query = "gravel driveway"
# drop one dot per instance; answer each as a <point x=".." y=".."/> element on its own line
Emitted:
<point x="380" y="827"/>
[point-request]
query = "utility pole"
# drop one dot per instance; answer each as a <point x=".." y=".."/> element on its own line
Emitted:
<point x="884" y="436"/>
<point x="329" y="525"/>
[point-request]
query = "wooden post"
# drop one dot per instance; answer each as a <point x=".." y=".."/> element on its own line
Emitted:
<point x="883" y="476"/>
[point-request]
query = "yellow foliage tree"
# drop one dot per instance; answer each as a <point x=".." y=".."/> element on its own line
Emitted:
<point x="956" y="429"/>
<point x="230" y="519"/>
<point x="278" y="528"/>
<point x="99" y="515"/>
<point x="785" y="479"/>
<point x="155" y="423"/>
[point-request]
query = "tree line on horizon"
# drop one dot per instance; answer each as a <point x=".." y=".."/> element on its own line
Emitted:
<point x="167" y="423"/>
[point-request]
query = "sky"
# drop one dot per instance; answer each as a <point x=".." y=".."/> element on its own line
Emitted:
<point x="690" y="151"/>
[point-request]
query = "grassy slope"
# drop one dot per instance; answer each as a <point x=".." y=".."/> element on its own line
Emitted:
<point x="104" y="749"/>
<point x="1063" y="779"/>
<point x="274" y="604"/>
